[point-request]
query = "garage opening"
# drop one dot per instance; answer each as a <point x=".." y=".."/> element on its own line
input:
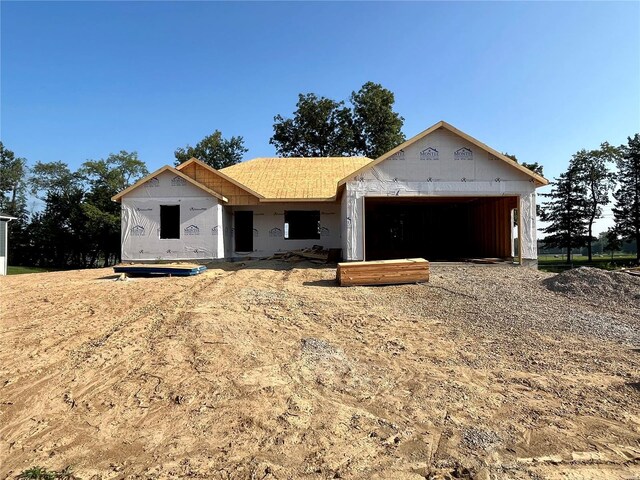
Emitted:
<point x="439" y="229"/>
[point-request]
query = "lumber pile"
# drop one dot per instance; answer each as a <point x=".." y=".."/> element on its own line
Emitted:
<point x="315" y="254"/>
<point x="635" y="271"/>
<point x="383" y="272"/>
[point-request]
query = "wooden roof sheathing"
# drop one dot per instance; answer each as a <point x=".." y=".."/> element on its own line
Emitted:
<point x="118" y="196"/>
<point x="237" y="193"/>
<point x="294" y="178"/>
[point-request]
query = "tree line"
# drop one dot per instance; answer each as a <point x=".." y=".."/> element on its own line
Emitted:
<point x="319" y="127"/>
<point x="579" y="194"/>
<point x="601" y="247"/>
<point x="78" y="225"/>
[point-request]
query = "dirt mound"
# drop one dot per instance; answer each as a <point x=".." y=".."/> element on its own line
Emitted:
<point x="595" y="284"/>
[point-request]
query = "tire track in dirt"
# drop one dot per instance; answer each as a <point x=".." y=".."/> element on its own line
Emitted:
<point x="155" y="310"/>
<point x="301" y="399"/>
<point x="93" y="367"/>
<point x="214" y="381"/>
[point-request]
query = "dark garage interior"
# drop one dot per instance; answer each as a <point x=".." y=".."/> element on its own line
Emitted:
<point x="438" y="228"/>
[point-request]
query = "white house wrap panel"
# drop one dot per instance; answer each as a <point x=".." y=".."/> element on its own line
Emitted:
<point x="442" y="195"/>
<point x="200" y="221"/>
<point x="268" y="227"/>
<point x="441" y="164"/>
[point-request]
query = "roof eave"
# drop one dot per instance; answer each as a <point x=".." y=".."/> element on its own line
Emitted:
<point x="298" y="200"/>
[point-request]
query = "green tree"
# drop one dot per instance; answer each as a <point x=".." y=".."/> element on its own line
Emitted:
<point x="320" y="127"/>
<point x="535" y="167"/>
<point x="378" y="128"/>
<point x="612" y="241"/>
<point x="627" y="196"/>
<point x="13" y="201"/>
<point x="214" y="150"/>
<point x="13" y="174"/>
<point x="52" y="177"/>
<point x="79" y="225"/>
<point x="58" y="233"/>
<point x="104" y="178"/>
<point x="596" y="179"/>
<point x="566" y="212"/>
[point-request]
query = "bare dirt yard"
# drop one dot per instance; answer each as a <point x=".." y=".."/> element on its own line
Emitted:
<point x="268" y="370"/>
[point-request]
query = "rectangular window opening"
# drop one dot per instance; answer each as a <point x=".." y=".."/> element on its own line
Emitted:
<point x="169" y="221"/>
<point x="302" y="224"/>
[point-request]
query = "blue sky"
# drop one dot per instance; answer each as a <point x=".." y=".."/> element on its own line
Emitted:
<point x="541" y="80"/>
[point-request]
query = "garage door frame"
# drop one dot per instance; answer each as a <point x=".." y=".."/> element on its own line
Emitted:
<point x="517" y="208"/>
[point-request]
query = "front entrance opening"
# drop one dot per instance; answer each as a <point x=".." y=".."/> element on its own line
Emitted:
<point x="445" y="229"/>
<point x="243" y="224"/>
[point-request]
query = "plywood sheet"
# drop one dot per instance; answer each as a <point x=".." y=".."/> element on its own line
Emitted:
<point x="235" y="194"/>
<point x="294" y="177"/>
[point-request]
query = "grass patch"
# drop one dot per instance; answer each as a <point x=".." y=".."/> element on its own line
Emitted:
<point x="41" y="473"/>
<point x="558" y="263"/>
<point x="23" y="270"/>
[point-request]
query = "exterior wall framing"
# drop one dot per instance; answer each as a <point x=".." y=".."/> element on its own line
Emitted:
<point x="268" y="226"/>
<point x="356" y="191"/>
<point x="439" y="162"/>
<point x="442" y="163"/>
<point x="200" y="222"/>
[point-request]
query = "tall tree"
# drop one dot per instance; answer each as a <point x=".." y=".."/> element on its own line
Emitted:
<point x="323" y="127"/>
<point x="52" y="177"/>
<point x="567" y="213"/>
<point x="378" y="127"/>
<point x="58" y="232"/>
<point x="627" y="196"/>
<point x="596" y="179"/>
<point x="612" y="241"/>
<point x="13" y="201"/>
<point x="13" y="173"/>
<point x="79" y="225"/>
<point x="214" y="150"/>
<point x="320" y="127"/>
<point x="105" y="178"/>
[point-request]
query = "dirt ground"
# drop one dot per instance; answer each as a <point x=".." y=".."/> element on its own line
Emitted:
<point x="268" y="370"/>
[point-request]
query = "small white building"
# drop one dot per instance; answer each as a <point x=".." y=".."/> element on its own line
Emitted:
<point x="441" y="195"/>
<point x="4" y="242"/>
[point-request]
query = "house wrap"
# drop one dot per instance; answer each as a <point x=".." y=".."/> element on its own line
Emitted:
<point x="441" y="195"/>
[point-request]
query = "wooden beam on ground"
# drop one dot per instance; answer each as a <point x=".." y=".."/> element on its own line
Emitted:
<point x="383" y="272"/>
